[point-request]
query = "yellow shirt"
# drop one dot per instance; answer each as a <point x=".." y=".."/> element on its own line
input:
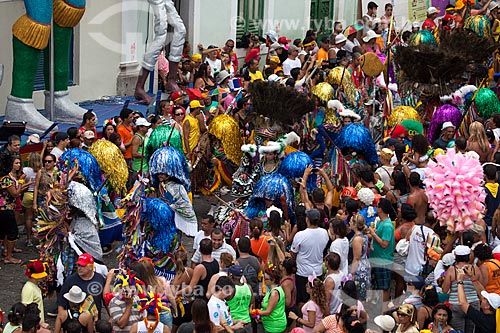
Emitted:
<point x="32" y="294"/>
<point x="255" y="76"/>
<point x="194" y="132"/>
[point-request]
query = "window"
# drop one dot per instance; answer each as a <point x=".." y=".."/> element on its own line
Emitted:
<point x="250" y="17"/>
<point x="39" y="77"/>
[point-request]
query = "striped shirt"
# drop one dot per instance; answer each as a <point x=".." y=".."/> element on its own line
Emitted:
<point x="117" y="308"/>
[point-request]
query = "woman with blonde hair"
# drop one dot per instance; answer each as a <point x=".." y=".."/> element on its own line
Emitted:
<point x="32" y="172"/>
<point x="226" y="261"/>
<point x="159" y="285"/>
<point x="315" y="309"/>
<point x="478" y="142"/>
<point x="360" y="267"/>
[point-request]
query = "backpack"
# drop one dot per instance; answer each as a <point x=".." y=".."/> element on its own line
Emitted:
<point x="252" y="278"/>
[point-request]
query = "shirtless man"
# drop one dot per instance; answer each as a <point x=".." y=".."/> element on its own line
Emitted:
<point x="418" y="198"/>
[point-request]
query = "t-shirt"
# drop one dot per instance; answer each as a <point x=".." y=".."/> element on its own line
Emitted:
<point x="126" y="134"/>
<point x="215" y="66"/>
<point x="93" y="288"/>
<point x="225" y="248"/>
<point x="7" y="202"/>
<point x="429" y="24"/>
<point x="31" y="293"/>
<point x="218" y="309"/>
<point x="198" y="238"/>
<point x="311" y="306"/>
<point x="309" y="245"/>
<point x="290" y="64"/>
<point x="30" y="174"/>
<point x="341" y="247"/>
<point x="56" y="152"/>
<point x="117" y="308"/>
<point x="257" y="76"/>
<point x="379" y="255"/>
<point x="484" y="323"/>
<point x="416" y="249"/>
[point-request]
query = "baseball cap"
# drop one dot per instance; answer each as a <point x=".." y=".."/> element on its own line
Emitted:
<point x="273" y="78"/>
<point x="195" y="105"/>
<point x="432" y="10"/>
<point x="292" y="48"/>
<point x="275" y="59"/>
<point x="88" y="135"/>
<point x="234" y="270"/>
<point x="85" y="259"/>
<point x="340" y="38"/>
<point x="493" y="299"/>
<point x="142" y="122"/>
<point x="196" y="57"/>
<point x="283" y="40"/>
<point x="385" y="322"/>
<point x="417" y="281"/>
<point x="34" y="138"/>
<point x="448" y="259"/>
<point x="462" y="250"/>
<point x="273" y="36"/>
<point x="175" y="96"/>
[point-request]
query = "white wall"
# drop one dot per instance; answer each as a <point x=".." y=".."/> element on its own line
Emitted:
<point x="96" y="64"/>
<point x="400" y="11"/>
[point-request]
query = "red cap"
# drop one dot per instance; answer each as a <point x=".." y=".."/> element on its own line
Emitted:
<point x="85" y="259"/>
<point x="283" y="40"/>
<point x="175" y="96"/>
<point x="448" y="18"/>
<point x="194" y="94"/>
<point x="349" y="192"/>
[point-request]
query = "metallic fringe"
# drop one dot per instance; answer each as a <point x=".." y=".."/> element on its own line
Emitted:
<point x="31" y="33"/>
<point x="66" y="15"/>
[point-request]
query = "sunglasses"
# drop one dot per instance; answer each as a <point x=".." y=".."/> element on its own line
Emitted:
<point x="178" y="114"/>
<point x="48" y="161"/>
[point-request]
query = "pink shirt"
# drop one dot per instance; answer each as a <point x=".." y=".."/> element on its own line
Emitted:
<point x="311" y="306"/>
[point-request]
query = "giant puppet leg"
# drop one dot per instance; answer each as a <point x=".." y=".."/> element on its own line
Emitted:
<point x="67" y="14"/>
<point x="164" y="13"/>
<point x="31" y="34"/>
<point x="176" y="45"/>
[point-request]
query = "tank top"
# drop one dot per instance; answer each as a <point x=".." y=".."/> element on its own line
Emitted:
<point x="240" y="303"/>
<point x="136" y="162"/>
<point x="276" y="321"/>
<point x="335" y="300"/>
<point x="293" y="293"/>
<point x="495" y="37"/>
<point x="212" y="268"/>
<point x="194" y="132"/>
<point x="470" y="291"/>
<point x="141" y="327"/>
<point x="493" y="285"/>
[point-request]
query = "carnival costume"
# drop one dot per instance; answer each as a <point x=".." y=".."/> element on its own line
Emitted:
<point x="31" y="34"/>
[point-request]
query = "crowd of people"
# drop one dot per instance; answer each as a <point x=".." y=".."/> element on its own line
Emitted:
<point x="334" y="220"/>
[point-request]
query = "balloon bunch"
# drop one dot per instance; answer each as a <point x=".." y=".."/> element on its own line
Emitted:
<point x="453" y="186"/>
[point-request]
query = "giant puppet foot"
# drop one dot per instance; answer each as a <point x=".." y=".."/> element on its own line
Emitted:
<point x="23" y="109"/>
<point x="65" y="110"/>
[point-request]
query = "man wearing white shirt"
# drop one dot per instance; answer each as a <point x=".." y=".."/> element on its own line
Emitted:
<point x="218" y="309"/>
<point x="292" y="61"/>
<point x="207" y="225"/>
<point x="219" y="246"/>
<point x="308" y="246"/>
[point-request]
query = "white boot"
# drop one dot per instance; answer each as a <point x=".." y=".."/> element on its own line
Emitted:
<point x="23" y="109"/>
<point x="65" y="110"/>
